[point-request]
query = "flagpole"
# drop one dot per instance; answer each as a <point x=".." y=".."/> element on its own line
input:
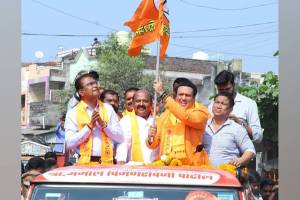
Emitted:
<point x="156" y="77"/>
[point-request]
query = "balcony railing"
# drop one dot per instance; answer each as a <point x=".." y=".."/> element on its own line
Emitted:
<point x="58" y="72"/>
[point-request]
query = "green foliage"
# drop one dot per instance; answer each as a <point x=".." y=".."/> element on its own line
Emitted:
<point x="65" y="95"/>
<point x="266" y="97"/>
<point x="118" y="71"/>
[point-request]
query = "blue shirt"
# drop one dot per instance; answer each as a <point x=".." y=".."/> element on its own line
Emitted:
<point x="246" y="109"/>
<point x="60" y="139"/>
<point x="227" y="143"/>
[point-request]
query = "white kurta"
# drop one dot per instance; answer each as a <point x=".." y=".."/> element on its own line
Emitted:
<point x="124" y="149"/>
<point x="74" y="137"/>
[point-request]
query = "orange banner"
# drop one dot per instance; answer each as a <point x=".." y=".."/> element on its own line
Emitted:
<point x="149" y="23"/>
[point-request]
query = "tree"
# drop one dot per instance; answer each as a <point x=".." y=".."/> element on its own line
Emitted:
<point x="65" y="95"/>
<point x="266" y="97"/>
<point x="118" y="71"/>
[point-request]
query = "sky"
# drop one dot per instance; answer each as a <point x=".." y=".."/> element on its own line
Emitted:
<point x="222" y="29"/>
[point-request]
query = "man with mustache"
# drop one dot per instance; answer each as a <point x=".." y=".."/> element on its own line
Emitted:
<point x="135" y="127"/>
<point x="128" y="98"/>
<point x="111" y="97"/>
<point x="181" y="126"/>
<point x="92" y="125"/>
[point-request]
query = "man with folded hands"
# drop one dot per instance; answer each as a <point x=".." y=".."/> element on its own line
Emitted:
<point x="92" y="125"/>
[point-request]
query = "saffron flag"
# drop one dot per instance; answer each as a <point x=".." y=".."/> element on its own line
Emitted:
<point x="149" y="23"/>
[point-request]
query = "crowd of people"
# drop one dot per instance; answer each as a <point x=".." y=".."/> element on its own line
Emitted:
<point x="223" y="133"/>
<point x="261" y="187"/>
<point x="99" y="132"/>
<point x="34" y="167"/>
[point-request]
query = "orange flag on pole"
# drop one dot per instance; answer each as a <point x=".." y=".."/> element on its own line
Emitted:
<point x="149" y="23"/>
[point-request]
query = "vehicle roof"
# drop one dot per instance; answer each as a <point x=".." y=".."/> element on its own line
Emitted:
<point x="153" y="175"/>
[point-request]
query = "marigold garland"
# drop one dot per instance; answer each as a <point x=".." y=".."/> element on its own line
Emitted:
<point x="228" y="167"/>
<point x="166" y="160"/>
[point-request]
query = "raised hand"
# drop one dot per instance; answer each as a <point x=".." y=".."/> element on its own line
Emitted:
<point x="158" y="87"/>
<point x="151" y="133"/>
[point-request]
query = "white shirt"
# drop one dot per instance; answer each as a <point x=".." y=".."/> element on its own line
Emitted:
<point x="74" y="137"/>
<point x="124" y="149"/>
<point x="72" y="103"/>
<point x="246" y="109"/>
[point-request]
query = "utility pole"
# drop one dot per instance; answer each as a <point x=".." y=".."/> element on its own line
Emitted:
<point x="213" y="76"/>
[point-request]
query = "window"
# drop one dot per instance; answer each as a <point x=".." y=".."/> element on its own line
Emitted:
<point x="22" y="100"/>
<point x="147" y="192"/>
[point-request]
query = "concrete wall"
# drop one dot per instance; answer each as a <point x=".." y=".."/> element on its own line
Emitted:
<point x="35" y="86"/>
<point x="38" y="82"/>
<point x="24" y="79"/>
<point x="205" y="91"/>
<point x="24" y="91"/>
<point x="56" y="85"/>
<point x="36" y="72"/>
<point x="37" y="92"/>
<point x="202" y="81"/>
<point x="44" y="112"/>
<point x="182" y="65"/>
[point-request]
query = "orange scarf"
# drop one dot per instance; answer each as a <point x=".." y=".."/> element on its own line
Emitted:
<point x="86" y="148"/>
<point x="174" y="139"/>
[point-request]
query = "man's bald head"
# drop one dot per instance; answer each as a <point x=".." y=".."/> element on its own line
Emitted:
<point x="144" y="92"/>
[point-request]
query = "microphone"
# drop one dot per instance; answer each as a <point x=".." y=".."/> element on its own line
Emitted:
<point x="199" y="148"/>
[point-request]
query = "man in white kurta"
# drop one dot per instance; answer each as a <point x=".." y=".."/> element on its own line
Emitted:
<point x="92" y="126"/>
<point x="142" y="104"/>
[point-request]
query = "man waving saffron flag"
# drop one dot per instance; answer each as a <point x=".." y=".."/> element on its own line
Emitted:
<point x="149" y="23"/>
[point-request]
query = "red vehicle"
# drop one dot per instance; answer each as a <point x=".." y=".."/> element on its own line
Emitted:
<point x="135" y="183"/>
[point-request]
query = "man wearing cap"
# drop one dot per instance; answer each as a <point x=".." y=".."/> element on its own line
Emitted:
<point x="135" y="127"/>
<point x="181" y="127"/>
<point x="92" y="125"/>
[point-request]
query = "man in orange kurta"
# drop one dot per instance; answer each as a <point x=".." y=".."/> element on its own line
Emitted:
<point x="181" y="126"/>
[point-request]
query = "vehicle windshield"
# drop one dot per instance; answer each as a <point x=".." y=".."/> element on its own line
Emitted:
<point x="91" y="192"/>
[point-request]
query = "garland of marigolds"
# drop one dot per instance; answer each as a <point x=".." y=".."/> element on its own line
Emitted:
<point x="169" y="161"/>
